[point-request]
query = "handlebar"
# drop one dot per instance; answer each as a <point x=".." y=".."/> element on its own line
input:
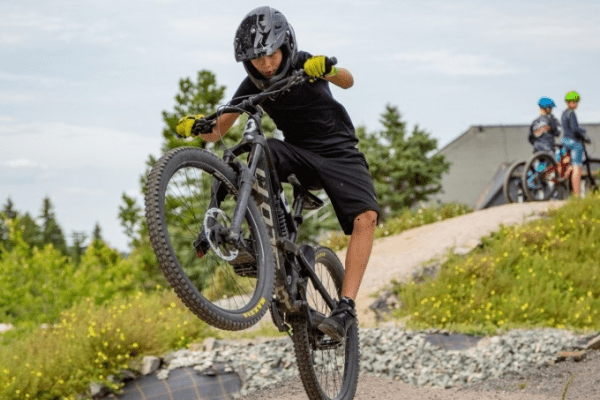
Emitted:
<point x="297" y="77"/>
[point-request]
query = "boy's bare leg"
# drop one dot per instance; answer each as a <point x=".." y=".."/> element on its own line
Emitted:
<point x="359" y="251"/>
<point x="576" y="181"/>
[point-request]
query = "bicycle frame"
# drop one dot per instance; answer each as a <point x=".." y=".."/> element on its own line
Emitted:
<point x="564" y="169"/>
<point x="257" y="178"/>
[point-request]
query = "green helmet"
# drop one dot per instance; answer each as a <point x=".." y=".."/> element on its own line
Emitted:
<point x="572" y="96"/>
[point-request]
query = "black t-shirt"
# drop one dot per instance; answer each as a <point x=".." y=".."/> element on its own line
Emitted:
<point x="308" y="115"/>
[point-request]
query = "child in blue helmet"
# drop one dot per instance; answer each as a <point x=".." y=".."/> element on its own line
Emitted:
<point x="544" y="128"/>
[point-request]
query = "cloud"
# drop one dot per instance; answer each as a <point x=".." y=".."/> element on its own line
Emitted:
<point x="447" y="63"/>
<point x="59" y="145"/>
<point x="207" y="29"/>
<point x="12" y="97"/>
<point x="10" y="77"/>
<point x="21" y="162"/>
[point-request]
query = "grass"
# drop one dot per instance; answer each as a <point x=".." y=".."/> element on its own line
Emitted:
<point x="541" y="274"/>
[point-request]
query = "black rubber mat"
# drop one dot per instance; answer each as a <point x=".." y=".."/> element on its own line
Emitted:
<point x="182" y="384"/>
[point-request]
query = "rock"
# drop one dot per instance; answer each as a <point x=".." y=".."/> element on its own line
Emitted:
<point x="208" y="344"/>
<point x="98" y="390"/>
<point x="150" y="365"/>
<point x="594" y="343"/>
<point x="127" y="375"/>
<point x="6" y="327"/>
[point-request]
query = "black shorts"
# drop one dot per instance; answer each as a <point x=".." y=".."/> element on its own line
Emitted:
<point x="343" y="175"/>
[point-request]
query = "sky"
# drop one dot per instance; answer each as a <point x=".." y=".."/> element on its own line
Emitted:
<point x="83" y="83"/>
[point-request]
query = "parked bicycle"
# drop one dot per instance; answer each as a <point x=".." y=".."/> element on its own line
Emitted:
<point x="513" y="184"/>
<point x="225" y="238"/>
<point x="545" y="178"/>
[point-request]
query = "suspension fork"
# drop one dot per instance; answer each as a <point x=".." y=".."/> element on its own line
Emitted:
<point x="246" y="180"/>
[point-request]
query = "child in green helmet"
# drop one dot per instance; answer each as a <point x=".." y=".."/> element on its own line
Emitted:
<point x="573" y="138"/>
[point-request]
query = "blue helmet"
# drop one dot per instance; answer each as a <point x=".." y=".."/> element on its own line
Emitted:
<point x="545" y="102"/>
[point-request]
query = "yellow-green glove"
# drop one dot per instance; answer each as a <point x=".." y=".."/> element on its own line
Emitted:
<point x="319" y="66"/>
<point x="185" y="124"/>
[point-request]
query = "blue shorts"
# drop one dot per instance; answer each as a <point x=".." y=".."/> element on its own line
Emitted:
<point x="576" y="151"/>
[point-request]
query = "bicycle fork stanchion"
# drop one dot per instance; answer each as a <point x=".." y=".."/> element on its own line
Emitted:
<point x="247" y="179"/>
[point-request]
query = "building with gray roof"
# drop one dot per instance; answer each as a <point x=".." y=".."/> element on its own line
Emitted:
<point x="480" y="157"/>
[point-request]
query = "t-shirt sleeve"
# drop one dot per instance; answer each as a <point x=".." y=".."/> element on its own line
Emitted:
<point x="246" y="88"/>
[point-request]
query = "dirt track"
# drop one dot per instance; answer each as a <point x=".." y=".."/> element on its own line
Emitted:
<point x="398" y="256"/>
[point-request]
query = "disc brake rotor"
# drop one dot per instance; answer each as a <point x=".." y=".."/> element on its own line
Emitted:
<point x="211" y="230"/>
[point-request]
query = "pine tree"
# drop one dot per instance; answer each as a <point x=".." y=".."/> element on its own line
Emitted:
<point x="200" y="97"/>
<point x="77" y="249"/>
<point x="50" y="230"/>
<point x="131" y="219"/>
<point x="404" y="171"/>
<point x="97" y="233"/>
<point x="32" y="233"/>
<point x="8" y="211"/>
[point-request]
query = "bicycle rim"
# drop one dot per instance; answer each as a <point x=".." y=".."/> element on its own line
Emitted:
<point x="328" y="370"/>
<point x="227" y="287"/>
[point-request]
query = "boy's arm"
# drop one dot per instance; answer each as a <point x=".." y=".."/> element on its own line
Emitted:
<point x="323" y="67"/>
<point x="575" y="125"/>
<point x="343" y="79"/>
<point x="222" y="125"/>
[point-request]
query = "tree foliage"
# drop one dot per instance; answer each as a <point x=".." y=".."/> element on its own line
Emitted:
<point x="194" y="97"/>
<point x="51" y="232"/>
<point x="36" y="284"/>
<point x="403" y="167"/>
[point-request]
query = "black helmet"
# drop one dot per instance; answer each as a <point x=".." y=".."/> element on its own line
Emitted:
<point x="263" y="31"/>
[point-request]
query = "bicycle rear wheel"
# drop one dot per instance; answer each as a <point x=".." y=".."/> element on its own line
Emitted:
<point x="228" y="287"/>
<point x="328" y="369"/>
<point x="590" y="183"/>
<point x="541" y="180"/>
<point x="513" y="184"/>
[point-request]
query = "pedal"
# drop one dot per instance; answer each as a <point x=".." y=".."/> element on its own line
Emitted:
<point x="245" y="264"/>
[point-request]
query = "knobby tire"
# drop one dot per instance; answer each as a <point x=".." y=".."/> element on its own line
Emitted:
<point x="332" y="371"/>
<point x="513" y="183"/>
<point x="177" y="197"/>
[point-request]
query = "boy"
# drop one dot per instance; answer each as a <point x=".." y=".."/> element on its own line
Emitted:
<point x="544" y="128"/>
<point x="573" y="137"/>
<point x="319" y="139"/>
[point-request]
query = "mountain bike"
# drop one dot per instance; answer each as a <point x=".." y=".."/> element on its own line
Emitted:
<point x="225" y="237"/>
<point x="545" y="178"/>
<point x="513" y="183"/>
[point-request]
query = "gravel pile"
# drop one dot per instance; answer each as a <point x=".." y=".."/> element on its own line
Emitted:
<point x="387" y="352"/>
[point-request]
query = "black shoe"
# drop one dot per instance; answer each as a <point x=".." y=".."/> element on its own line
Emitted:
<point x="342" y="316"/>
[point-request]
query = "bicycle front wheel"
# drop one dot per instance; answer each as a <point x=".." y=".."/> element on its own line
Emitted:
<point x="190" y="198"/>
<point x="541" y="179"/>
<point x="513" y="184"/>
<point x="328" y="369"/>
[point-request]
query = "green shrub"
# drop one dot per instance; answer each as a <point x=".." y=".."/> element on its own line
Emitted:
<point x="91" y="342"/>
<point x="542" y="274"/>
<point x="36" y="285"/>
